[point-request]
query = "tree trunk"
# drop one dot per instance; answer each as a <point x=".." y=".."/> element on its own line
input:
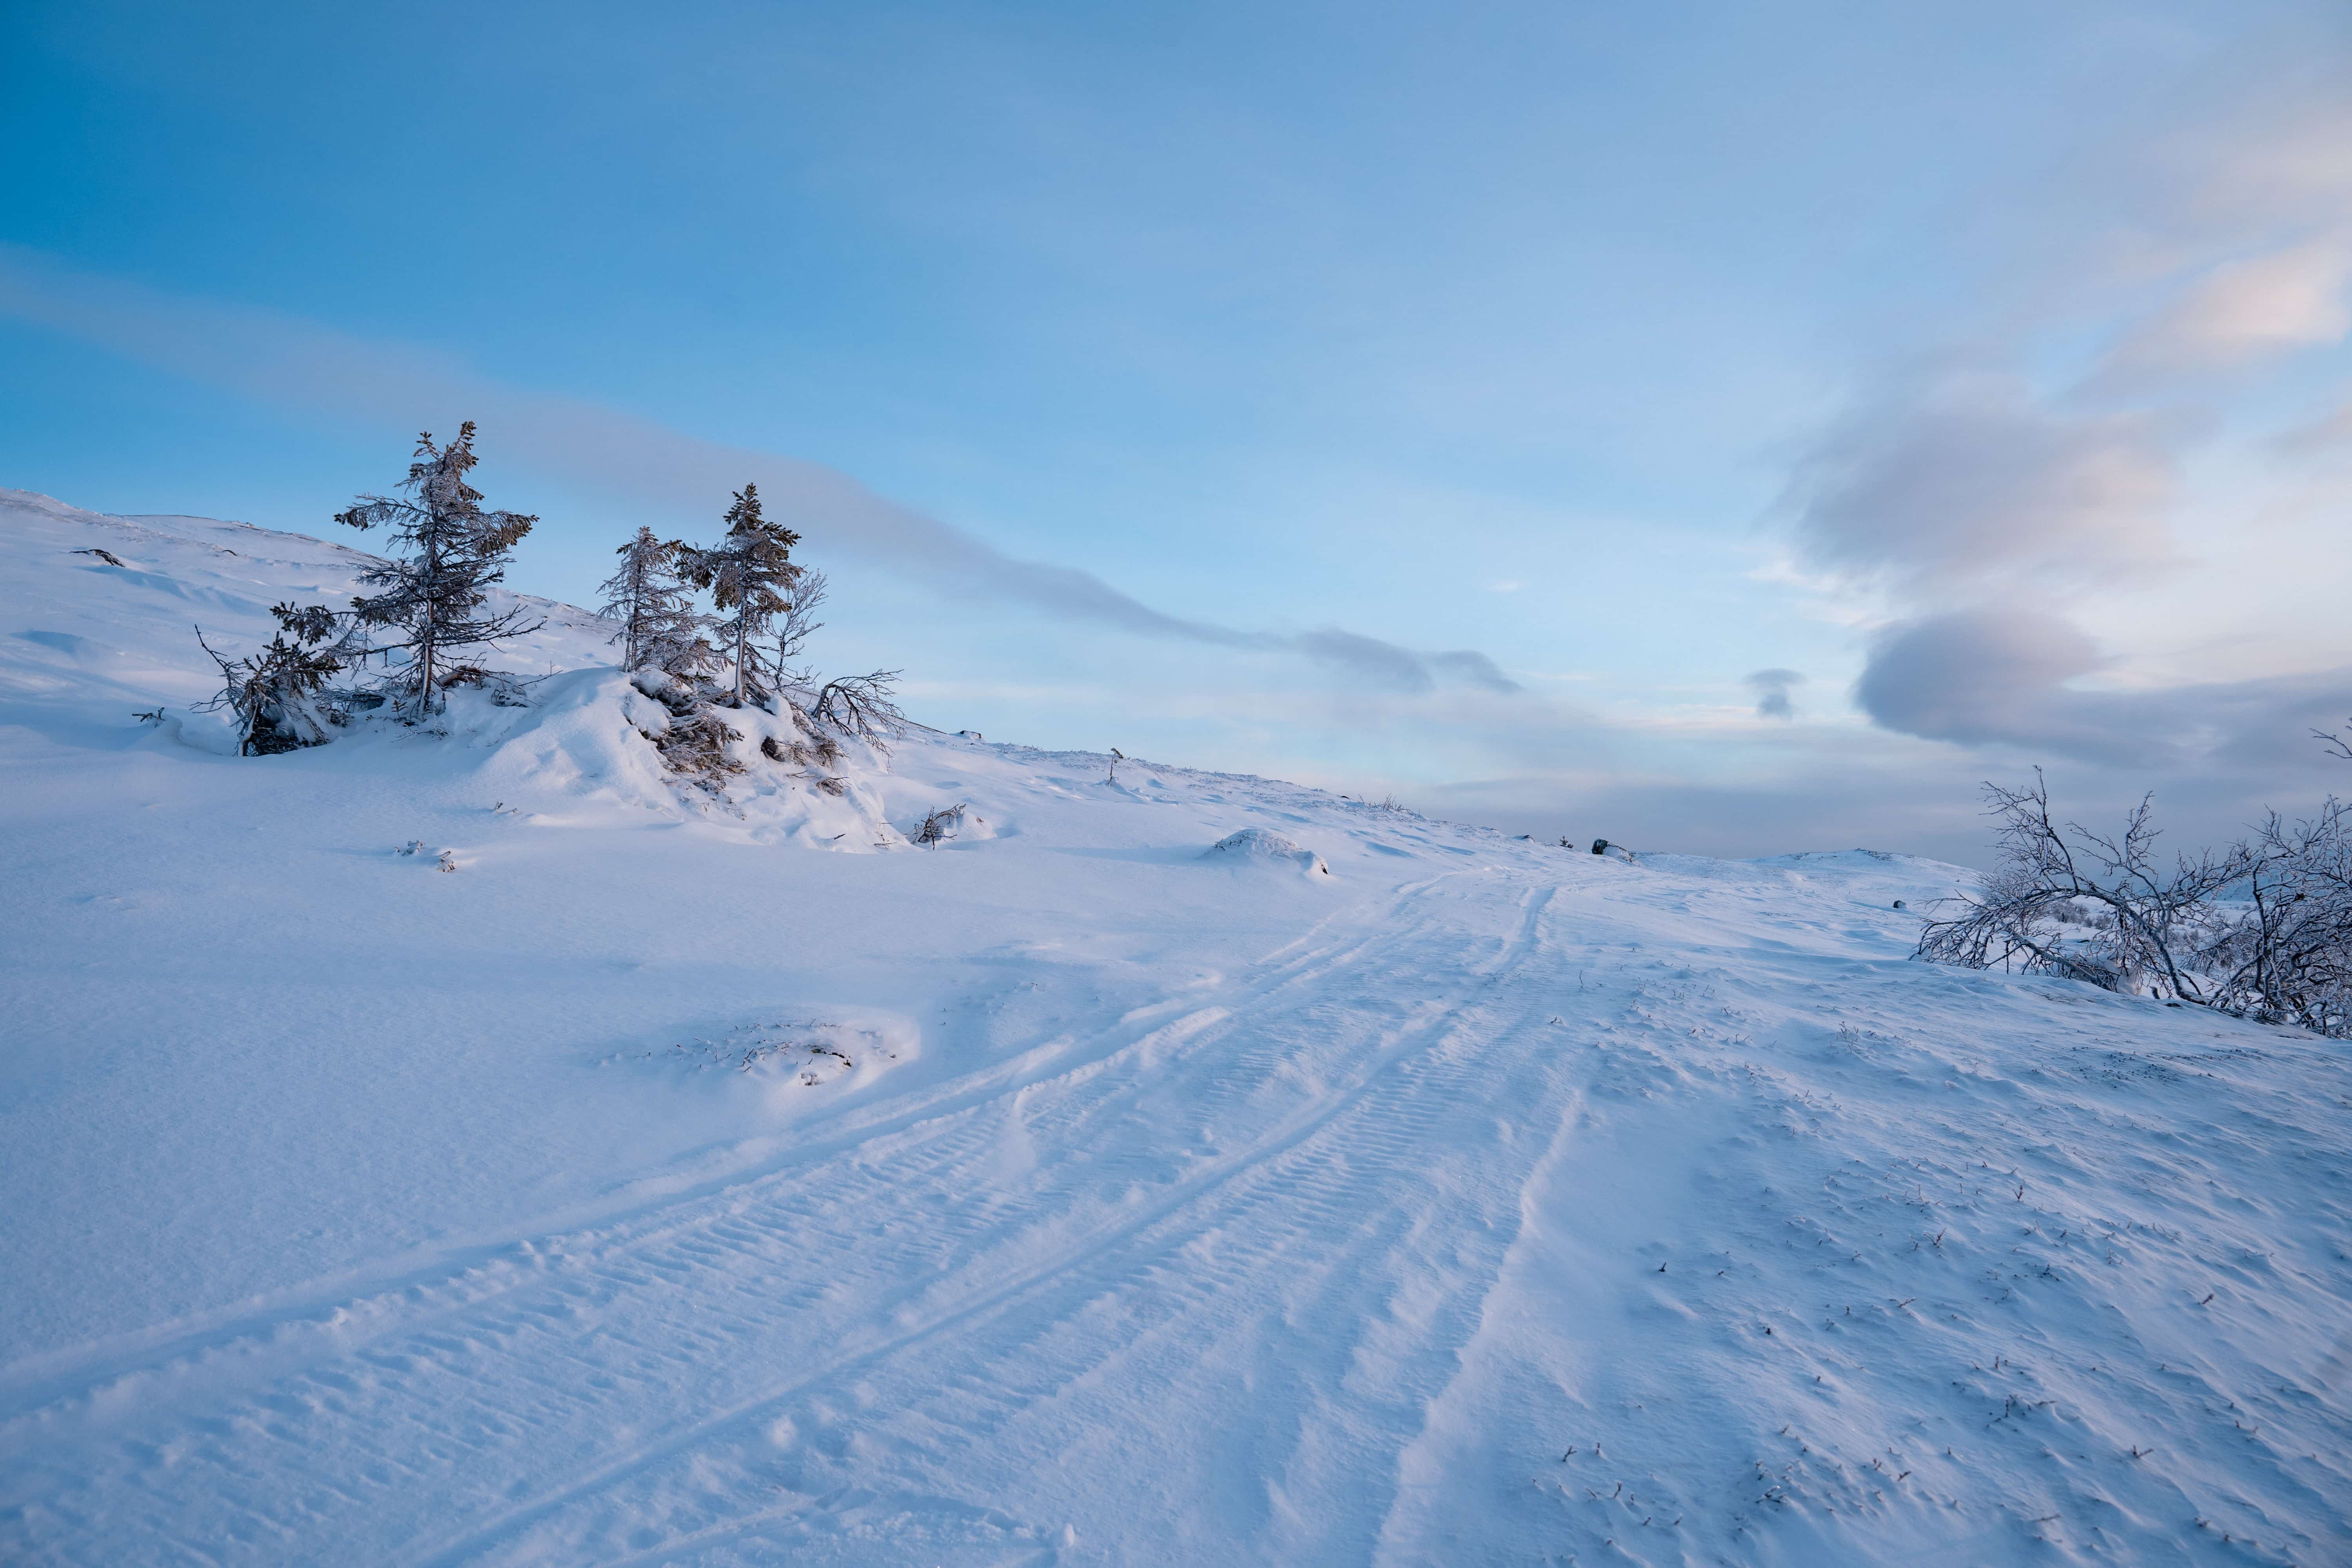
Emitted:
<point x="424" y="646"/>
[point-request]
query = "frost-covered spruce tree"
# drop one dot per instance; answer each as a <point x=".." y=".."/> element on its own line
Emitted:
<point x="750" y="572"/>
<point x="453" y="551"/>
<point x="279" y="695"/>
<point x="659" y="626"/>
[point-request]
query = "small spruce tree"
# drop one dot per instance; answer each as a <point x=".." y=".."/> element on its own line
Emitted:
<point x="454" y="551"/>
<point x="278" y="695"/>
<point x="750" y="572"/>
<point x="659" y="627"/>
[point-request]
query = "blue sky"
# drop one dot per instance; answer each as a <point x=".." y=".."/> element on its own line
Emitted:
<point x="1185" y="379"/>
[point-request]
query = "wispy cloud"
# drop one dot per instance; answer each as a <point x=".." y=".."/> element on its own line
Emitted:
<point x="2241" y="311"/>
<point x="276" y="359"/>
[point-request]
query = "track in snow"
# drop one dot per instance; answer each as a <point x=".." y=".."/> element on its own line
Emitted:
<point x="998" y="1316"/>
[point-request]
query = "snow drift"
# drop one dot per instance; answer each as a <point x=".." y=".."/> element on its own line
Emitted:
<point x="661" y="1183"/>
<point x="1258" y="846"/>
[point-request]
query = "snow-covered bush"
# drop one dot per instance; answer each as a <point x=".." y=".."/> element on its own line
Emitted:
<point x="503" y="690"/>
<point x="696" y="742"/>
<point x="2147" y="919"/>
<point x="939" y="825"/>
<point x="2262" y="927"/>
<point x="279" y="695"/>
<point x="2288" y="955"/>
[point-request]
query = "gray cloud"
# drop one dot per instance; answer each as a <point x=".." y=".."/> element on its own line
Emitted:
<point x="1772" y="692"/>
<point x="1974" y="676"/>
<point x="673" y="476"/>
<point x="1382" y="663"/>
<point x="1999" y="678"/>
<point x="1966" y="479"/>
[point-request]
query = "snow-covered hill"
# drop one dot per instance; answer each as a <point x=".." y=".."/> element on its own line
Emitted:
<point x="686" y="1180"/>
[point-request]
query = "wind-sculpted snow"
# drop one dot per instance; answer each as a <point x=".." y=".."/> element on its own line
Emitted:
<point x="655" y="1186"/>
<point x="1257" y="846"/>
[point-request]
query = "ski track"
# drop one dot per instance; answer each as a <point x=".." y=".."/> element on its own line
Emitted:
<point x="902" y="1258"/>
<point x="1394" y="1126"/>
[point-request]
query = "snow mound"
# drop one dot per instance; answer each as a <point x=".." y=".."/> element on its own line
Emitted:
<point x="782" y="1061"/>
<point x="1257" y="846"/>
<point x="98" y="630"/>
<point x="593" y="737"/>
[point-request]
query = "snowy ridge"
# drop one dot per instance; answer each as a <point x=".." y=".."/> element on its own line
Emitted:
<point x="116" y="629"/>
<point x="652" y="1187"/>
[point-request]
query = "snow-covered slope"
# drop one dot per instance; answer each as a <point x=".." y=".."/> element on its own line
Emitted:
<point x="664" y="1185"/>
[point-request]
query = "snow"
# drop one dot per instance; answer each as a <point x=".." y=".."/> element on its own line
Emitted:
<point x="1258" y="846"/>
<point x="690" y="1179"/>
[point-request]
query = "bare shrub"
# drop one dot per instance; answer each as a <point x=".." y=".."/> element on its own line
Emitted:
<point x="2262" y="927"/>
<point x="940" y="825"/>
<point x="502" y="688"/>
<point x="695" y="746"/>
<point x="2145" y="921"/>
<point x="797" y="622"/>
<point x="861" y="706"/>
<point x="2288" y="957"/>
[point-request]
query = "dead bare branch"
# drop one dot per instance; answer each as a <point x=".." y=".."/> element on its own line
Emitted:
<point x="861" y="706"/>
